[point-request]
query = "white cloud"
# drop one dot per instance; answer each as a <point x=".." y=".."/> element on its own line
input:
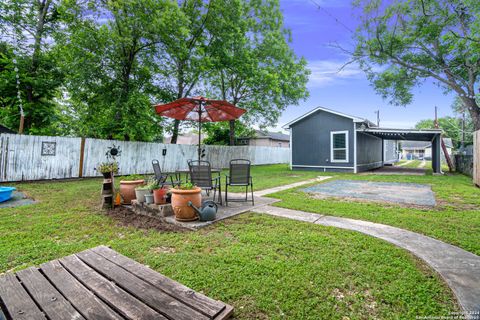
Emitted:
<point x="327" y="72"/>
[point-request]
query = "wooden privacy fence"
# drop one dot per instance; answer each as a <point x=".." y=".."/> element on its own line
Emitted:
<point x="476" y="158"/>
<point x="24" y="158"/>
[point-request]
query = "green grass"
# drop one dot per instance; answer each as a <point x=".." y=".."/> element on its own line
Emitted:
<point x="266" y="267"/>
<point x="270" y="176"/>
<point x="455" y="219"/>
<point x="411" y="164"/>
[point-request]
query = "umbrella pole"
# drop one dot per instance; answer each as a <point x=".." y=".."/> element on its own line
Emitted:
<point x="199" y="130"/>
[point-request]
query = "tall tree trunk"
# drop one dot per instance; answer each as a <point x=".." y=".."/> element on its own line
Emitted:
<point x="474" y="109"/>
<point x="176" y="125"/>
<point x="42" y="10"/>
<point x="180" y="89"/>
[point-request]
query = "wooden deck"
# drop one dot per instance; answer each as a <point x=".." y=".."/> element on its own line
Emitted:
<point x="100" y="283"/>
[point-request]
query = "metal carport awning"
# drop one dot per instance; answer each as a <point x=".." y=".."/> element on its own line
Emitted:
<point x="403" y="134"/>
<point x="432" y="135"/>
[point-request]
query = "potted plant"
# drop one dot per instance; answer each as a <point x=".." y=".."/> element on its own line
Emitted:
<point x="128" y="185"/>
<point x="159" y="192"/>
<point x="141" y="191"/>
<point x="183" y="194"/>
<point x="149" y="197"/>
<point x="107" y="168"/>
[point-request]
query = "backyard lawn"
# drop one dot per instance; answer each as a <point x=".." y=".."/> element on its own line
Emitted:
<point x="455" y="219"/>
<point x="266" y="267"/>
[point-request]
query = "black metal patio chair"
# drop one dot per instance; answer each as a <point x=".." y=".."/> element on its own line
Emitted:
<point x="239" y="176"/>
<point x="162" y="178"/>
<point x="201" y="176"/>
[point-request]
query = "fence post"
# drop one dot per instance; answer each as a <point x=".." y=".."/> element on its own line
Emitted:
<point x="82" y="153"/>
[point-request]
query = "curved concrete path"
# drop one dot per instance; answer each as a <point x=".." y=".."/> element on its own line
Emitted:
<point x="459" y="268"/>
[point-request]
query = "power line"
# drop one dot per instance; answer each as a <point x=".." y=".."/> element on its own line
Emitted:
<point x="332" y="16"/>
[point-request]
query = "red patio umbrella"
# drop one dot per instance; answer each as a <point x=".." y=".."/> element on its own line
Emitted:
<point x="200" y="109"/>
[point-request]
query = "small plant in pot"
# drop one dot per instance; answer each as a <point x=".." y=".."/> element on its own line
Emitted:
<point x="181" y="196"/>
<point x="140" y="193"/>
<point x="107" y="168"/>
<point x="159" y="192"/>
<point x="128" y="185"/>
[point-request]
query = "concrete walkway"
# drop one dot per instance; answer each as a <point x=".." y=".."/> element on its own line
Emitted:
<point x="262" y="193"/>
<point x="422" y="164"/>
<point x="404" y="164"/>
<point x="459" y="268"/>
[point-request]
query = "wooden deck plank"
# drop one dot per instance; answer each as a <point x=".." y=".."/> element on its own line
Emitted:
<point x="226" y="313"/>
<point x="47" y="297"/>
<point x="17" y="301"/>
<point x="194" y="299"/>
<point x="149" y="294"/>
<point x="127" y="305"/>
<point x="80" y="297"/>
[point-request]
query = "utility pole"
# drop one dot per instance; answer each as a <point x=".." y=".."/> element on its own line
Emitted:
<point x="378" y="117"/>
<point x="436" y="118"/>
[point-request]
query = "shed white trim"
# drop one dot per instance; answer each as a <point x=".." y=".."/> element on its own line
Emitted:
<point x="354" y="149"/>
<point x="332" y="167"/>
<point x="332" y="149"/>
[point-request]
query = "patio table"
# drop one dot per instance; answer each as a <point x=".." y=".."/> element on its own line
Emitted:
<point x="186" y="172"/>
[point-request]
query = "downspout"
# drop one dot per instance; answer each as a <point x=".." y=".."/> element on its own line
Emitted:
<point x="354" y="148"/>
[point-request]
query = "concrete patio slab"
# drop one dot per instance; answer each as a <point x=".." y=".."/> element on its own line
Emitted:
<point x="262" y="193"/>
<point x="459" y="268"/>
<point x="233" y="209"/>
<point x="403" y="193"/>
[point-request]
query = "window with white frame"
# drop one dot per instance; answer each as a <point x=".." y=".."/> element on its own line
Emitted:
<point x="339" y="146"/>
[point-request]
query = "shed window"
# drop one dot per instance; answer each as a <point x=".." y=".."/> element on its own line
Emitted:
<point x="339" y="146"/>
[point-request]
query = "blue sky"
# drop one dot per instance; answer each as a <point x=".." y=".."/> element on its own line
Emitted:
<point x="313" y="32"/>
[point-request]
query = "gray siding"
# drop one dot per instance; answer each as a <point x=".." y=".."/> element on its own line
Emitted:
<point x="390" y="151"/>
<point x="369" y="152"/>
<point x="311" y="142"/>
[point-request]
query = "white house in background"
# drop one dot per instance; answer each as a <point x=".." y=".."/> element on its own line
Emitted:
<point x="266" y="139"/>
<point x="422" y="149"/>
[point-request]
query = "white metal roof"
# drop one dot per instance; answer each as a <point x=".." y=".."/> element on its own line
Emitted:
<point x="387" y="130"/>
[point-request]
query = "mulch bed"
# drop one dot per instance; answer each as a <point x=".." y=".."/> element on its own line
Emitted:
<point x="127" y="218"/>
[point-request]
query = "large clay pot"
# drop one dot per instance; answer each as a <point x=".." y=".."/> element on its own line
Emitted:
<point x="127" y="190"/>
<point x="180" y="199"/>
<point x="159" y="195"/>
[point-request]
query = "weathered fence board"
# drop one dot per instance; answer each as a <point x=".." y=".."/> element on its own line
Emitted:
<point x="38" y="157"/>
<point x="21" y="156"/>
<point x="476" y="158"/>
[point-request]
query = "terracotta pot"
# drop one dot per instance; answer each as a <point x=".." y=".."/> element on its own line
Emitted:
<point x="127" y="190"/>
<point x="180" y="199"/>
<point x="159" y="195"/>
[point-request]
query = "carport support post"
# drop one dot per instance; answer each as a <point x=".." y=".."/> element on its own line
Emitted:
<point x="436" y="160"/>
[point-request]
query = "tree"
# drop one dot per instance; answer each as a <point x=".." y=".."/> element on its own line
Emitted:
<point x="254" y="66"/>
<point x="452" y="128"/>
<point x="110" y="52"/>
<point x="185" y="61"/>
<point x="218" y="133"/>
<point x="31" y="23"/>
<point x="420" y="39"/>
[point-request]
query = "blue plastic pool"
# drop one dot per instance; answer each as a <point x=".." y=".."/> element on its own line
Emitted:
<point x="6" y="193"/>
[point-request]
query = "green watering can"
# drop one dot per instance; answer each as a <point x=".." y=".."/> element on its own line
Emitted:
<point x="208" y="210"/>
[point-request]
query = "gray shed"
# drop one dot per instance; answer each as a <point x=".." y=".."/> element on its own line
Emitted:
<point x="327" y="140"/>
